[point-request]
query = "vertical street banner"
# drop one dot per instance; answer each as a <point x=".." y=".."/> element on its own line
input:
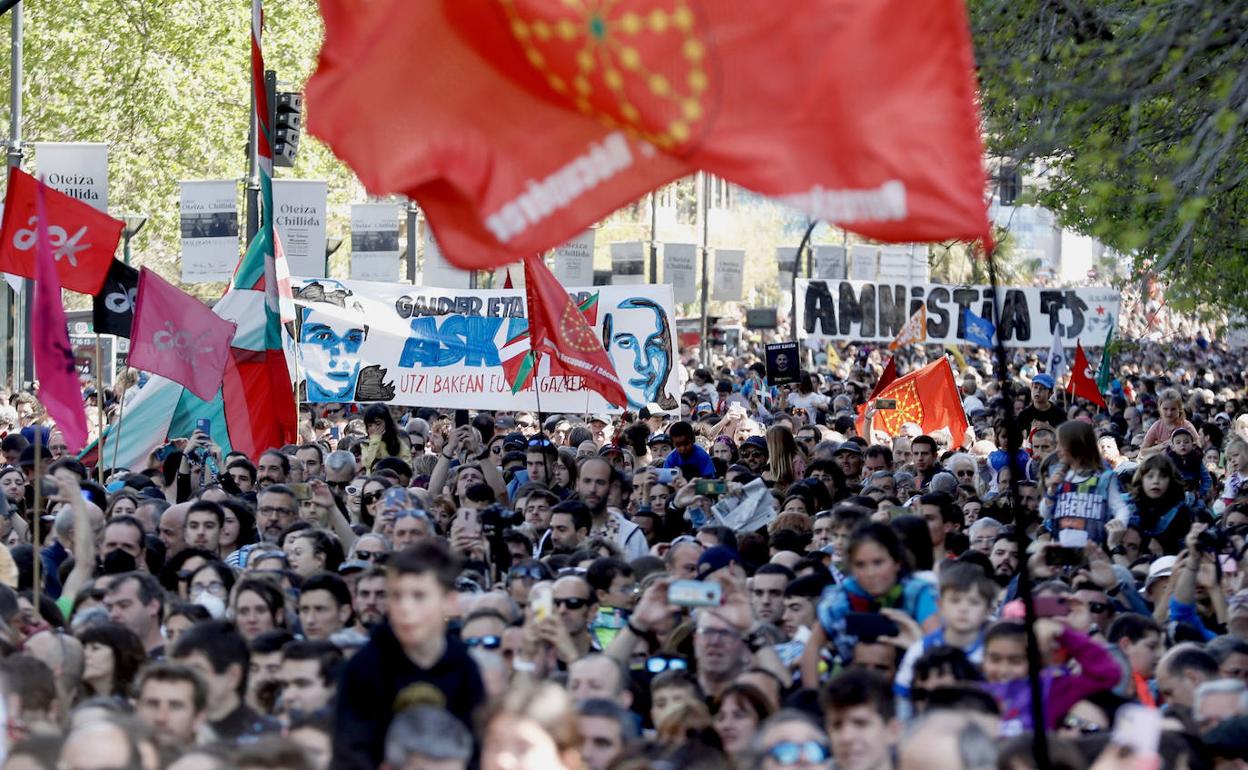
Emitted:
<point x="436" y="271"/>
<point x="424" y="346"/>
<point x="680" y="265"/>
<point x="729" y="275"/>
<point x="864" y="262"/>
<point x="628" y="263"/>
<point x="78" y="169"/>
<point x="786" y="260"/>
<point x="574" y="260"/>
<point x="209" y="230"/>
<point x="830" y="262"/>
<point x="920" y="268"/>
<point x="896" y="264"/>
<point x="299" y="211"/>
<point x="375" y="254"/>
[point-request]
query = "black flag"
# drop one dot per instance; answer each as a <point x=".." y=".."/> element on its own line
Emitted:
<point x="113" y="307"/>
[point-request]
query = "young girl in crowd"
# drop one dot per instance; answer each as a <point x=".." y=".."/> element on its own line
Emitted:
<point x="879" y="579"/>
<point x="1160" y="510"/>
<point x="1081" y="493"/>
<point x="1236" y="473"/>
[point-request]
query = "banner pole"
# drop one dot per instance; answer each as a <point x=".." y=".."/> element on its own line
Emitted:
<point x="99" y="410"/>
<point x="121" y="412"/>
<point x="797" y="263"/>
<point x="37" y="514"/>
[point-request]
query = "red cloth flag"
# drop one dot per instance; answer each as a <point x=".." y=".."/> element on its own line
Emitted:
<point x="82" y="238"/>
<point x="179" y="337"/>
<point x="59" y="389"/>
<point x="886" y="378"/>
<point x="929" y="398"/>
<point x="557" y="327"/>
<point x="547" y="115"/>
<point x="1082" y="380"/>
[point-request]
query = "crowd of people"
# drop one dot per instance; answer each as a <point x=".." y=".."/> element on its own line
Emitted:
<point x="745" y="582"/>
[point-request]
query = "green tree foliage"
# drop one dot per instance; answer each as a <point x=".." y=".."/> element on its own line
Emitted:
<point x="1131" y="113"/>
<point x="166" y="83"/>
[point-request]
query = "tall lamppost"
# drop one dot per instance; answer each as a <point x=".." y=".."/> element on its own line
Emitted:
<point x="133" y="224"/>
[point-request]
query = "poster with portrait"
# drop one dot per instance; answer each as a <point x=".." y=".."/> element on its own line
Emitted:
<point x="375" y="254"/>
<point x="784" y="363"/>
<point x="210" y="244"/>
<point x="448" y="348"/>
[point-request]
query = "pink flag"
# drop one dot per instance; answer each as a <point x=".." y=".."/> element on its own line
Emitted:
<point x="179" y="337"/>
<point x="59" y="389"/>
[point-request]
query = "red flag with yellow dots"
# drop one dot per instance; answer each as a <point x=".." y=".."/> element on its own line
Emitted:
<point x="517" y="123"/>
<point x="928" y="398"/>
<point x="558" y="328"/>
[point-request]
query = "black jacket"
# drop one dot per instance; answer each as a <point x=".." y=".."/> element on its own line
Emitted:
<point x="380" y="681"/>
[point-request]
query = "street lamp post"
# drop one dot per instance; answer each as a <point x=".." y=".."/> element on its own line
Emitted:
<point x="133" y="224"/>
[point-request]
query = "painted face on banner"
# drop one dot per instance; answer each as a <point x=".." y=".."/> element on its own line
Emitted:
<point x="639" y="343"/>
<point x="330" y="346"/>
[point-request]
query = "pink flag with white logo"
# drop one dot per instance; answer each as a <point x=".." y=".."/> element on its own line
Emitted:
<point x="59" y="389"/>
<point x="179" y="337"/>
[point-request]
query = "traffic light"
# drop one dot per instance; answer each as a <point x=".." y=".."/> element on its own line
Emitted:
<point x="286" y="118"/>
<point x="286" y="125"/>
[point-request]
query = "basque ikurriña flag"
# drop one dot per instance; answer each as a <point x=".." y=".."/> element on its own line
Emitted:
<point x="255" y="407"/>
<point x="547" y="115"/>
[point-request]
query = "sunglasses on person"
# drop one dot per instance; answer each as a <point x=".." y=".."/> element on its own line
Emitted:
<point x="572" y="602"/>
<point x="1098" y="608"/>
<point x="525" y="573"/>
<point x="525" y="424"/>
<point x="1072" y="722"/>
<point x="339" y="485"/>
<point x="539" y="442"/>
<point x="789" y="753"/>
<point x="370" y="555"/>
<point x="415" y="513"/>
<point x="353" y="489"/>
<point x="372" y="497"/>
<point x="485" y="642"/>
<point x="658" y="664"/>
<point x="966" y="473"/>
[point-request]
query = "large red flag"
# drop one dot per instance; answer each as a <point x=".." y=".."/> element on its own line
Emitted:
<point x="1082" y="380"/>
<point x="887" y="377"/>
<point x="558" y="327"/>
<point x="82" y="238"/>
<point x="517" y="123"/>
<point x="929" y="398"/>
<point x="59" y="389"/>
<point x="179" y="337"/>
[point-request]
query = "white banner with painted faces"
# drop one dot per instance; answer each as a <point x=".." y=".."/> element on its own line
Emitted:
<point x="869" y="311"/>
<point x="417" y="346"/>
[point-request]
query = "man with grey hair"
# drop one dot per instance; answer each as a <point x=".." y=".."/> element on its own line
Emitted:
<point x="983" y="534"/>
<point x="607" y="729"/>
<point x="1218" y="701"/>
<point x="945" y="740"/>
<point x="339" y="471"/>
<point x="427" y="738"/>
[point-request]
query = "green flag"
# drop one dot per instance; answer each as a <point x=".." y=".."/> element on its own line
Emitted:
<point x="1105" y="375"/>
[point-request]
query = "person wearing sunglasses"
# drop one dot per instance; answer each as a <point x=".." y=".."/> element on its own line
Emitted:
<point x="483" y="628"/>
<point x="793" y="740"/>
<point x="568" y="630"/>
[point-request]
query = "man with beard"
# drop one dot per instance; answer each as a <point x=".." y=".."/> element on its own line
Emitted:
<point x="276" y="509"/>
<point x="1004" y="556"/>
<point x="593" y="485"/>
<point x="569" y="525"/>
<point x="754" y="454"/>
<point x="273" y="468"/>
<point x="369" y="598"/>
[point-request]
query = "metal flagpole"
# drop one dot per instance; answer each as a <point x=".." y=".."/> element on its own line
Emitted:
<point x="37" y="514"/>
<point x="99" y="410"/>
<point x="116" y="440"/>
<point x="797" y="261"/>
<point x="704" y="194"/>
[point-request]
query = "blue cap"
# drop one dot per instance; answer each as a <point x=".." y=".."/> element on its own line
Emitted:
<point x="716" y="558"/>
<point x="1044" y="380"/>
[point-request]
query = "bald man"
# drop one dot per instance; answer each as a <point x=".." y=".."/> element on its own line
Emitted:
<point x="63" y="654"/>
<point x="171" y="529"/>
